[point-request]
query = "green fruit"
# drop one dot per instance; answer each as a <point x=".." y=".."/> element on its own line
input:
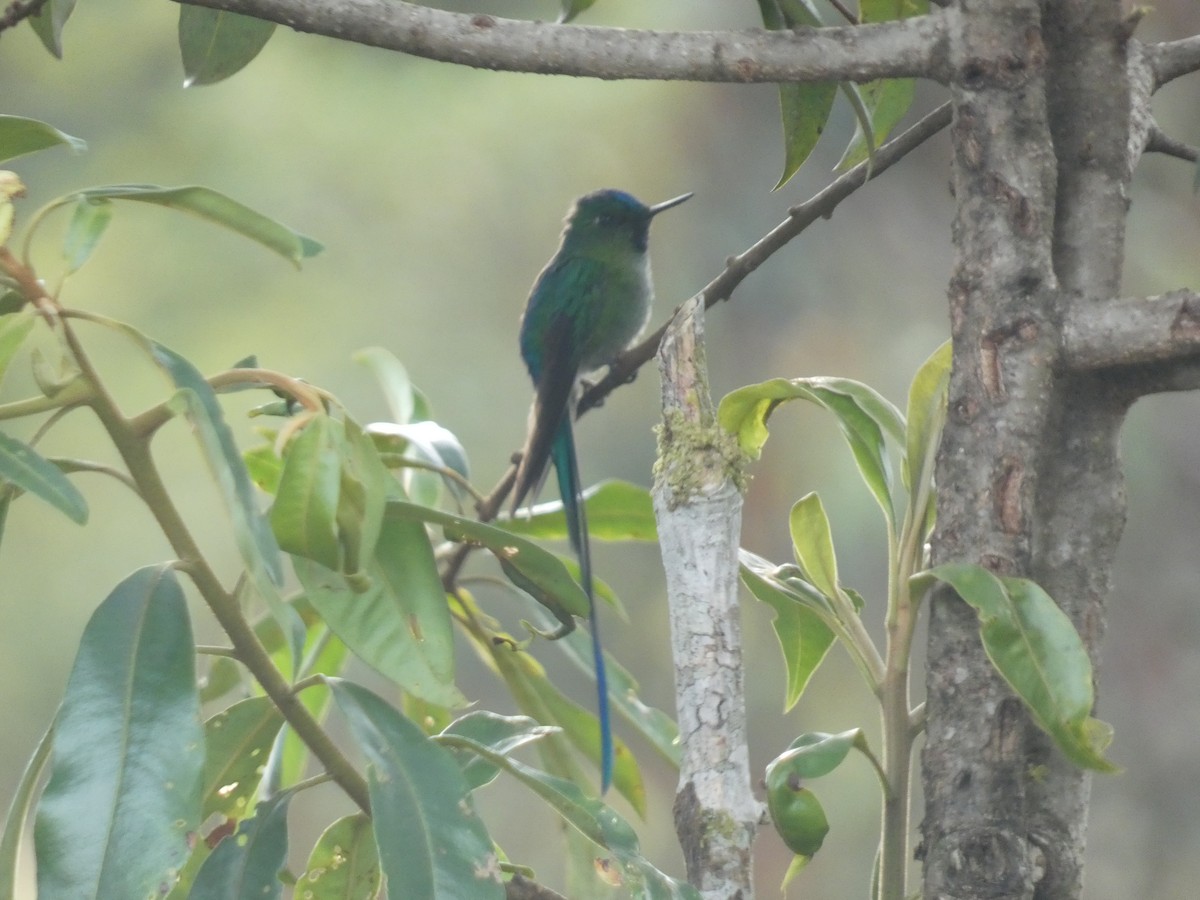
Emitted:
<point x="795" y="811"/>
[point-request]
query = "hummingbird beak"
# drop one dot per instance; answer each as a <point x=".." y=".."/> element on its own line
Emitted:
<point x="667" y="204"/>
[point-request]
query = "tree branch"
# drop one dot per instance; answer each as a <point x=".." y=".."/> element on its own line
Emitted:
<point x="1174" y="59"/>
<point x="1132" y="331"/>
<point x="914" y="47"/>
<point x="18" y="11"/>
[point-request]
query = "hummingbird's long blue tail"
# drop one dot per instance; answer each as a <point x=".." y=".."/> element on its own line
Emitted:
<point x="566" y="467"/>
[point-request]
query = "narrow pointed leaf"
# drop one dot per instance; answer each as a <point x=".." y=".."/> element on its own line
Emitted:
<point x="247" y="865"/>
<point x="18" y="812"/>
<point x="886" y="102"/>
<point x="14" y="328"/>
<point x="600" y="824"/>
<point x="88" y="223"/>
<point x="362" y="497"/>
<point x="624" y="693"/>
<point x="572" y="8"/>
<point x="304" y="514"/>
<point x="25" y="468"/>
<point x="48" y="24"/>
<point x="926" y="417"/>
<point x="804" y="108"/>
<point x="19" y="135"/>
<point x="582" y="728"/>
<point x="815" y="753"/>
<point x="889" y="99"/>
<point x="813" y="543"/>
<point x="215" y="44"/>
<point x="803" y="636"/>
<point x="253" y="535"/>
<point x="124" y="789"/>
<point x="1036" y="649"/>
<point x="344" y="864"/>
<point x="393" y="380"/>
<point x="215" y="207"/>
<point x="539" y="567"/>
<point x="432" y="843"/>
<point x="500" y="734"/>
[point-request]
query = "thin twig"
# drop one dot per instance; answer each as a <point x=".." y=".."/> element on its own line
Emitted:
<point x="1161" y="142"/>
<point x="18" y="12"/>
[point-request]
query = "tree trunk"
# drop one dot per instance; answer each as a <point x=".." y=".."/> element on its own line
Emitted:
<point x="1028" y="471"/>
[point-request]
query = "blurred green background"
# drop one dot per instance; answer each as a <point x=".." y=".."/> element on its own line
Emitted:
<point x="438" y="192"/>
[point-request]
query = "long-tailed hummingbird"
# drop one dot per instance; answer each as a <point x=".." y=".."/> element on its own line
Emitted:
<point x="588" y="305"/>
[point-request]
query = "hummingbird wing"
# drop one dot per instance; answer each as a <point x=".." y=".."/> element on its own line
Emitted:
<point x="555" y="382"/>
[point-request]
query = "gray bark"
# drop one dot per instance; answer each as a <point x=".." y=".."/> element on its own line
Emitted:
<point x="1029" y="474"/>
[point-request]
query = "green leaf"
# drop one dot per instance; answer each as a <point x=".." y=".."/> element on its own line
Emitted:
<point x="623" y="690"/>
<point x="599" y="823"/>
<point x="926" y="417"/>
<point x="264" y="467"/>
<point x="253" y="535"/>
<point x="304" y="514"/>
<point x="582" y="728"/>
<point x="540" y="569"/>
<point x="344" y="864"/>
<point x="325" y="655"/>
<point x="251" y="531"/>
<point x="889" y="99"/>
<point x="247" y="865"/>
<point x="237" y="741"/>
<point x="393" y="378"/>
<point x="88" y="222"/>
<point x="803" y="636"/>
<point x="616" y="511"/>
<point x="804" y="108"/>
<point x="400" y="623"/>
<point x="18" y="812"/>
<point x="813" y="543"/>
<point x="816" y="753"/>
<point x="25" y="468"/>
<point x="365" y="486"/>
<point x="432" y="843"/>
<point x="886" y="102"/>
<point x="1036" y="649"/>
<point x="48" y="24"/>
<point x="19" y="136"/>
<point x="500" y="734"/>
<point x="215" y="44"/>
<point x="572" y="8"/>
<point x="14" y="328"/>
<point x="425" y="442"/>
<point x="218" y="209"/>
<point x="10" y="301"/>
<point x="865" y="418"/>
<point x="124" y="789"/>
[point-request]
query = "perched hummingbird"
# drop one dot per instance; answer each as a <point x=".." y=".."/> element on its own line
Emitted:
<point x="588" y="304"/>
